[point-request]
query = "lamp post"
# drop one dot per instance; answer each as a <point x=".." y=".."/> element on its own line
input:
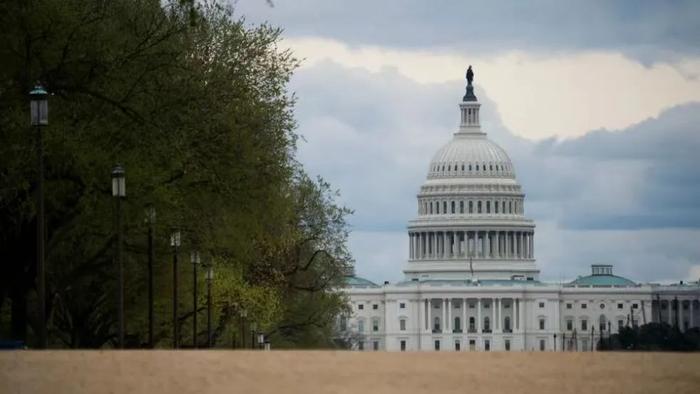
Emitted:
<point x="253" y="328"/>
<point x="261" y="340"/>
<point x="175" y="244"/>
<point x="195" y="260"/>
<point x="210" y="278"/>
<point x="119" y="192"/>
<point x="39" y="111"/>
<point x="555" y="342"/>
<point x="243" y="314"/>
<point x="151" y="220"/>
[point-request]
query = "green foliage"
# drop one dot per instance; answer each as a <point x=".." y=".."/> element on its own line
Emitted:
<point x="194" y="104"/>
<point x="653" y="337"/>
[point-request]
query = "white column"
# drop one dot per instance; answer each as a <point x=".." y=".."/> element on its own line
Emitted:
<point x="532" y="245"/>
<point x="445" y="245"/>
<point x="488" y="244"/>
<point x="427" y="315"/>
<point x="444" y="315"/>
<point x="521" y="316"/>
<point x="680" y="315"/>
<point x="410" y="246"/>
<point x="464" y="315"/>
<point x="478" y="315"/>
<point x="516" y="315"/>
<point x="448" y="322"/>
<point x="522" y="244"/>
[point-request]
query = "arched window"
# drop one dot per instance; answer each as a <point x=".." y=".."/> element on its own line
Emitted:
<point x="462" y="166"/>
<point x="503" y="206"/>
<point x="472" y="324"/>
<point x="471" y="206"/>
<point x="461" y="207"/>
<point x="490" y="167"/>
<point x="361" y="325"/>
<point x="458" y="325"/>
<point x="488" y="206"/>
<point x="453" y="207"/>
<point x="444" y="207"/>
<point x="478" y="206"/>
<point x="436" y="324"/>
<point x="443" y="168"/>
<point x="425" y="207"/>
<point x="437" y="207"/>
<point x="510" y="207"/>
<point x="506" y="324"/>
<point x="477" y="167"/>
<point x="375" y="324"/>
<point x="402" y="324"/>
<point x="487" y="324"/>
<point x="495" y="206"/>
<point x="431" y="207"/>
<point x="470" y="167"/>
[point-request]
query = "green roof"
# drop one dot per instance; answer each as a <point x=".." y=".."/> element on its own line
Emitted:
<point x="603" y="280"/>
<point x="356" y="281"/>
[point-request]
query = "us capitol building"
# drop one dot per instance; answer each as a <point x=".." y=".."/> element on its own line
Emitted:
<point x="471" y="281"/>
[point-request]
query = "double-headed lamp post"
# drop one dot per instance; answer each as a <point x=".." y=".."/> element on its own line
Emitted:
<point x="119" y="192"/>
<point x="210" y="278"/>
<point x="39" y="111"/>
<point x="175" y="244"/>
<point x="196" y="261"/>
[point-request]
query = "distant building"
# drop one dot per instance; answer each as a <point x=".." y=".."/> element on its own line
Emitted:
<point x="471" y="282"/>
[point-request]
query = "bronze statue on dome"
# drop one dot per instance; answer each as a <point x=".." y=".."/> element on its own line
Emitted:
<point x="470" y="75"/>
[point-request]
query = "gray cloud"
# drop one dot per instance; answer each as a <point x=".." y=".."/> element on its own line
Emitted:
<point x="645" y="31"/>
<point x="627" y="197"/>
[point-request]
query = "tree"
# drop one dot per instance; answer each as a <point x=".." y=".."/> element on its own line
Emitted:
<point x="194" y="104"/>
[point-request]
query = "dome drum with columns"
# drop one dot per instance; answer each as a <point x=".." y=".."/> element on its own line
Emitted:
<point x="471" y="221"/>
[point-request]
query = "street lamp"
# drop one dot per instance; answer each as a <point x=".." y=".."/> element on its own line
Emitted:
<point x="243" y="314"/>
<point x="195" y="260"/>
<point x="39" y="112"/>
<point x="261" y="340"/>
<point x="175" y="244"/>
<point x="210" y="278"/>
<point x="150" y="220"/>
<point x="555" y="342"/>
<point x="253" y="328"/>
<point x="119" y="192"/>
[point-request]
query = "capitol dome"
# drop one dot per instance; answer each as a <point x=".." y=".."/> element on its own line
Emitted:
<point x="471" y="219"/>
<point x="471" y="155"/>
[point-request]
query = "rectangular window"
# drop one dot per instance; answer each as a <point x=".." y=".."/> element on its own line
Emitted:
<point x="361" y="345"/>
<point x="360" y="307"/>
<point x="437" y="345"/>
<point x="402" y="306"/>
<point x="403" y="346"/>
<point x="375" y="306"/>
<point x="343" y="323"/>
<point x="584" y="325"/>
<point x="620" y="324"/>
<point x="507" y="345"/>
<point x="361" y="326"/>
<point x="487" y="345"/>
<point x="375" y="325"/>
<point x="569" y="325"/>
<point x="584" y="306"/>
<point x="472" y="345"/>
<point x="375" y="345"/>
<point x="568" y="306"/>
<point x="542" y="345"/>
<point x="457" y="345"/>
<point x="619" y="305"/>
<point x="635" y="306"/>
<point x="541" y="304"/>
<point x="402" y="325"/>
<point x="541" y="324"/>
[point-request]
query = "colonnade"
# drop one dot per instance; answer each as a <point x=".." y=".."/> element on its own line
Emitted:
<point x="489" y="244"/>
<point x="494" y="311"/>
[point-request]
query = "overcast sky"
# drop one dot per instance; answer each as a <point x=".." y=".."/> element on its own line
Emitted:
<point x="597" y="104"/>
